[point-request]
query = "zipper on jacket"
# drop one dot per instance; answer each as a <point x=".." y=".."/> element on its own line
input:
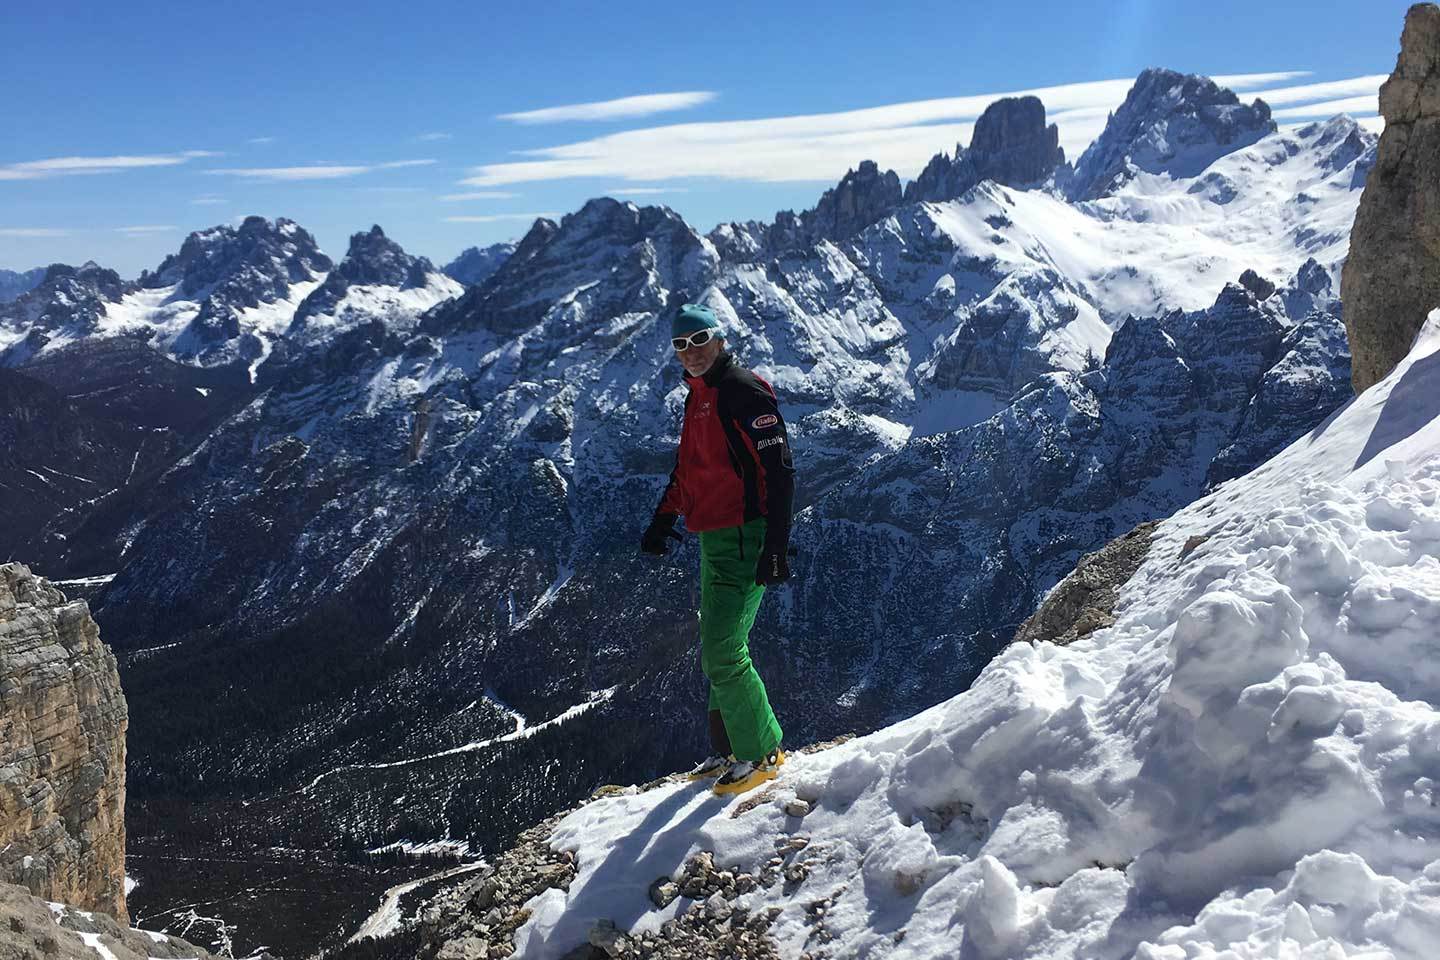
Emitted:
<point x="740" y="538"/>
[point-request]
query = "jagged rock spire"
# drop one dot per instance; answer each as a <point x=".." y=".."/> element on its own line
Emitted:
<point x="1011" y="145"/>
<point x="1391" y="279"/>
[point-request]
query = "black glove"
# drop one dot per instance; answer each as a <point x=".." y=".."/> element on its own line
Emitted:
<point x="773" y="566"/>
<point x="653" y="541"/>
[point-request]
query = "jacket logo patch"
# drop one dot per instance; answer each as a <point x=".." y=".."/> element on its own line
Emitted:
<point x="763" y="421"/>
<point x="769" y="442"/>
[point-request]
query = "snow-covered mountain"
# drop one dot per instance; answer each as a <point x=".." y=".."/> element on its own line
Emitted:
<point x="1241" y="765"/>
<point x="404" y="558"/>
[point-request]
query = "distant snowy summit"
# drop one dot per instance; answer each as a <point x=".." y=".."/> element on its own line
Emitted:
<point x="475" y="265"/>
<point x="1170" y="123"/>
<point x="226" y="297"/>
<point x="14" y="283"/>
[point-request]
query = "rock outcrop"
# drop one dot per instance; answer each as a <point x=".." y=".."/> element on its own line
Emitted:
<point x="1085" y="600"/>
<point x="31" y="929"/>
<point x="62" y="749"/>
<point x="1011" y="145"/>
<point x="1391" y="280"/>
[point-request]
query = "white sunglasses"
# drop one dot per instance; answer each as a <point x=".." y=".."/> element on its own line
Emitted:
<point x="697" y="339"/>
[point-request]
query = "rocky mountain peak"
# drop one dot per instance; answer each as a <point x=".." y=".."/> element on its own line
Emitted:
<point x="1171" y="123"/>
<point x="259" y="253"/>
<point x="863" y="196"/>
<point x="89" y="275"/>
<point x="475" y="265"/>
<point x="1391" y="279"/>
<point x="66" y="298"/>
<point x="627" y="247"/>
<point x="1011" y="145"/>
<point x="374" y="258"/>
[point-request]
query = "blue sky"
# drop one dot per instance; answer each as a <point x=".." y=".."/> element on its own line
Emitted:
<point x="130" y="124"/>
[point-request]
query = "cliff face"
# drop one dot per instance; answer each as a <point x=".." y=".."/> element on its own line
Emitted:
<point x="1391" y="280"/>
<point x="62" y="749"/>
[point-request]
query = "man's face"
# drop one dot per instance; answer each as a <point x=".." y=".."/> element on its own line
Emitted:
<point x="696" y="360"/>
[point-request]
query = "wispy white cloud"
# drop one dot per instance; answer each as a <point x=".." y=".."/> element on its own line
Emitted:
<point x="1330" y="90"/>
<point x="73" y="166"/>
<point x="479" y="195"/>
<point x="315" y="171"/>
<point x="435" y="137"/>
<point x="147" y="228"/>
<point x="260" y="140"/>
<point x="498" y="217"/>
<point x="821" y="147"/>
<point x="1329" y="108"/>
<point x="207" y="200"/>
<point x="391" y="189"/>
<point x="621" y="109"/>
<point x="640" y="191"/>
<point x="33" y="232"/>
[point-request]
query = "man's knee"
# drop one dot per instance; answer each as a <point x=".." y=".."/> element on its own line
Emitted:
<point x="725" y="668"/>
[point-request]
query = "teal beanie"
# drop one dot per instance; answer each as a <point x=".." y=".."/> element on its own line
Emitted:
<point x="693" y="317"/>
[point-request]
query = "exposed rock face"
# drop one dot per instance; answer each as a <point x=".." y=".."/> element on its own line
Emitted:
<point x="1169" y="123"/>
<point x="62" y="749"/>
<point x="1085" y="600"/>
<point x="1391" y="280"/>
<point x="31" y="929"/>
<point x="1011" y="145"/>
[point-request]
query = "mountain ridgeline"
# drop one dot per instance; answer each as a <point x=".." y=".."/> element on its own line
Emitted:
<point x="383" y="526"/>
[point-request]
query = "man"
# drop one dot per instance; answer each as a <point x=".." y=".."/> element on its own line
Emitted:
<point x="734" y="483"/>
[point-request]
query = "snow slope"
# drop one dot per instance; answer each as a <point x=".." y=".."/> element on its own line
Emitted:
<point x="1244" y="766"/>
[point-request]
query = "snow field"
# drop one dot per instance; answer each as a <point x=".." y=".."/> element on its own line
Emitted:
<point x="1244" y="766"/>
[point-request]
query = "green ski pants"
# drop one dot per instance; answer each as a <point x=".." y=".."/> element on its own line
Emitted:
<point x="729" y="600"/>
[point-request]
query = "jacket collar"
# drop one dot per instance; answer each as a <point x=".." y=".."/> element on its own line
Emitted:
<point x="716" y="371"/>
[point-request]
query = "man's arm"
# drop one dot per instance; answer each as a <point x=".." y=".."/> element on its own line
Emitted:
<point x="760" y="420"/>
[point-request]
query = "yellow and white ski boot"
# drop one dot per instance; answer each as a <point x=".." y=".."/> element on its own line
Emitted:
<point x="712" y="766"/>
<point x="744" y="775"/>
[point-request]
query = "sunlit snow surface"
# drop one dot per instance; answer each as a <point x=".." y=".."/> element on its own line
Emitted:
<point x="1247" y="761"/>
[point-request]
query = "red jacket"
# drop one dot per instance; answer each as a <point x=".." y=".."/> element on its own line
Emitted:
<point x="734" y="460"/>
